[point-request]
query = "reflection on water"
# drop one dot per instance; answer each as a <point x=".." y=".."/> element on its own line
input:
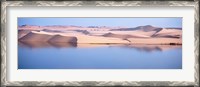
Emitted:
<point x="45" y="44"/>
<point x="43" y="55"/>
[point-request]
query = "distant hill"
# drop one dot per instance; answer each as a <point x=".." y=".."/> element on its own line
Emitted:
<point x="143" y="28"/>
<point x="174" y="28"/>
<point x="123" y="36"/>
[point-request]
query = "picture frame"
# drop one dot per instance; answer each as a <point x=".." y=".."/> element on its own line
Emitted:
<point x="4" y="38"/>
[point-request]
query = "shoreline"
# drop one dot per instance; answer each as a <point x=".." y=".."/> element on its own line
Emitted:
<point x="103" y="43"/>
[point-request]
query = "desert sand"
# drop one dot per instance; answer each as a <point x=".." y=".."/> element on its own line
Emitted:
<point x="100" y="35"/>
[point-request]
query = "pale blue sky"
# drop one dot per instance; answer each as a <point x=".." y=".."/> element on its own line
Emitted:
<point x="111" y="22"/>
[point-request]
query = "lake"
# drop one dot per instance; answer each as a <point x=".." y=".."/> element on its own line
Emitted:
<point x="42" y="55"/>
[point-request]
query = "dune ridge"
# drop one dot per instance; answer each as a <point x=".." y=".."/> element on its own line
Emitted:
<point x="104" y="35"/>
<point x="38" y="37"/>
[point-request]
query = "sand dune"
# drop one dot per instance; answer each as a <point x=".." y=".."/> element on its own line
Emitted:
<point x="22" y="33"/>
<point x="33" y="36"/>
<point x="59" y="38"/>
<point x="136" y="33"/>
<point x="71" y="34"/>
<point x="169" y="33"/>
<point x="143" y="28"/>
<point x="123" y="36"/>
<point x="98" y="39"/>
<point x="45" y="37"/>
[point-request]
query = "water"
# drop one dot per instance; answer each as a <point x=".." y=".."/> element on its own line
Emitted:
<point x="93" y="56"/>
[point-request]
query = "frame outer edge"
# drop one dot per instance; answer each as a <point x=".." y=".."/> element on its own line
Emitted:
<point x="196" y="51"/>
<point x="3" y="43"/>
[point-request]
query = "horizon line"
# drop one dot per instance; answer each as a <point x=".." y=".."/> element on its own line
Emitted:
<point x="96" y="26"/>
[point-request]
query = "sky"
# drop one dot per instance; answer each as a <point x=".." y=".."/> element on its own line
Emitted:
<point x="175" y="22"/>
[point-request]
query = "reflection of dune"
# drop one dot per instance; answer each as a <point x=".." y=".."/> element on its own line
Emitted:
<point x="146" y="48"/>
<point x="156" y="41"/>
<point x="149" y="48"/>
<point x="60" y="45"/>
<point x="91" y="45"/>
<point x="32" y="44"/>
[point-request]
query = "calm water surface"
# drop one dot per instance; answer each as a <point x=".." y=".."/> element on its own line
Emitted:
<point x="89" y="56"/>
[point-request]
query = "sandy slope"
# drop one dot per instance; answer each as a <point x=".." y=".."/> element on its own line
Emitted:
<point x="47" y="37"/>
<point x="34" y="36"/>
<point x="22" y="33"/>
<point x="171" y="33"/>
<point x="141" y="35"/>
<point x="59" y="38"/>
<point x="81" y="38"/>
